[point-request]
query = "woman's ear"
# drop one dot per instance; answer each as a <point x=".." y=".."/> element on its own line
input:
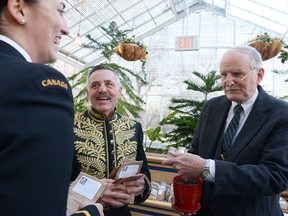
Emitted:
<point x="16" y="10"/>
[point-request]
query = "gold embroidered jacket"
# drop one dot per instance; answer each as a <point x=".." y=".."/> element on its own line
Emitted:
<point x="102" y="144"/>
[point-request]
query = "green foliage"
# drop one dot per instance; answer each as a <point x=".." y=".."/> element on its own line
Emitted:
<point x="154" y="134"/>
<point x="130" y="102"/>
<point x="209" y="83"/>
<point x="117" y="36"/>
<point x="284" y="54"/>
<point x="107" y="48"/>
<point x="78" y="81"/>
<point x="189" y="110"/>
<point x="266" y="38"/>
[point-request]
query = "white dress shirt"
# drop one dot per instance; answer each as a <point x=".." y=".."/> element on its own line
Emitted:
<point x="247" y="107"/>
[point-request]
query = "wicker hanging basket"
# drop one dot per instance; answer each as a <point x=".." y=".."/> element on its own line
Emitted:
<point x="267" y="51"/>
<point x="130" y="52"/>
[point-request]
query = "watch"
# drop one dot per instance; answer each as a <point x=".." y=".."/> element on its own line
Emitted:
<point x="206" y="170"/>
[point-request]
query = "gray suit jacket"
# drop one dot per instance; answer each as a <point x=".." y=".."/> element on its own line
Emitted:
<point x="255" y="170"/>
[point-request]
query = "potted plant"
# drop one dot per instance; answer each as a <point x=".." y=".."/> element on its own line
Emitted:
<point x="187" y="194"/>
<point x="131" y="50"/>
<point x="269" y="47"/>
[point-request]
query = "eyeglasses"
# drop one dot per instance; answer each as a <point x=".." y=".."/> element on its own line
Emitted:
<point x="239" y="75"/>
<point x="248" y="73"/>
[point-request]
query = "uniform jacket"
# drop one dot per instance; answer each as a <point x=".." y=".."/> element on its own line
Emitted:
<point x="255" y="169"/>
<point x="36" y="137"/>
<point x="102" y="144"/>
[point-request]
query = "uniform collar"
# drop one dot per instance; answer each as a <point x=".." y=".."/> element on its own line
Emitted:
<point x="99" y="115"/>
<point x="16" y="46"/>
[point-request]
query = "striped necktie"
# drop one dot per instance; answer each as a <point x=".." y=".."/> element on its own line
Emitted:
<point x="232" y="128"/>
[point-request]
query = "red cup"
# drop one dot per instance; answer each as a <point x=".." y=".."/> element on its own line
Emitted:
<point x="187" y="194"/>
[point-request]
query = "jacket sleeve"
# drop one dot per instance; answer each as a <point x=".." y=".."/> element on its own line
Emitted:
<point x="89" y="210"/>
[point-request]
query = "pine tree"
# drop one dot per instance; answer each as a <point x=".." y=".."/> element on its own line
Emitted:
<point x="186" y="120"/>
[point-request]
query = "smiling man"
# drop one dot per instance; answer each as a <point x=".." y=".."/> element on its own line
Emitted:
<point x="103" y="138"/>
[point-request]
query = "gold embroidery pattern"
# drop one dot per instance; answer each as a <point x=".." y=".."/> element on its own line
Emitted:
<point x="92" y="156"/>
<point x="124" y="131"/>
<point x="92" y="144"/>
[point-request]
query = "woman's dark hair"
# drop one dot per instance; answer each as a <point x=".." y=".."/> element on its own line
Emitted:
<point x="3" y="3"/>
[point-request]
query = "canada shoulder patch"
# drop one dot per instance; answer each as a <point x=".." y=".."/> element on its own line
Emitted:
<point x="52" y="83"/>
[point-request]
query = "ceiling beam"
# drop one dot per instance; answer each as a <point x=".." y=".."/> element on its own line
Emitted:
<point x="198" y="6"/>
<point x="167" y="22"/>
<point x="70" y="61"/>
<point x="172" y="5"/>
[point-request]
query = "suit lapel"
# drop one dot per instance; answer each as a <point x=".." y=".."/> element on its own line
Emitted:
<point x="214" y="128"/>
<point x="251" y="127"/>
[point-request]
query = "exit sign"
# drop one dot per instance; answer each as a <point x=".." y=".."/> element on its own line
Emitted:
<point x="184" y="43"/>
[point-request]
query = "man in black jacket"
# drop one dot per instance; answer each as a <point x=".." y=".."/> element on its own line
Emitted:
<point x="245" y="175"/>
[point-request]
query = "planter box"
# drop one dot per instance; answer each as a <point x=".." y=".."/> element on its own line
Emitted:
<point x="159" y="173"/>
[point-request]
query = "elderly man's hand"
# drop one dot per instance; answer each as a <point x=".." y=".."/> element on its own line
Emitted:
<point x="188" y="165"/>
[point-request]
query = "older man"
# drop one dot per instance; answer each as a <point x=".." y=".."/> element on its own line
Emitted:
<point x="241" y="153"/>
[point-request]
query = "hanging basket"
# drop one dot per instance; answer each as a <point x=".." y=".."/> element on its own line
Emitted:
<point x="267" y="51"/>
<point x="130" y="52"/>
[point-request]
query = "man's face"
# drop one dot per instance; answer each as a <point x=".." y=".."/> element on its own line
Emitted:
<point x="239" y="77"/>
<point x="103" y="91"/>
<point x="45" y="25"/>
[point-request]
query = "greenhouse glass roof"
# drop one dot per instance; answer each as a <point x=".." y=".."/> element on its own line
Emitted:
<point x="146" y="17"/>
